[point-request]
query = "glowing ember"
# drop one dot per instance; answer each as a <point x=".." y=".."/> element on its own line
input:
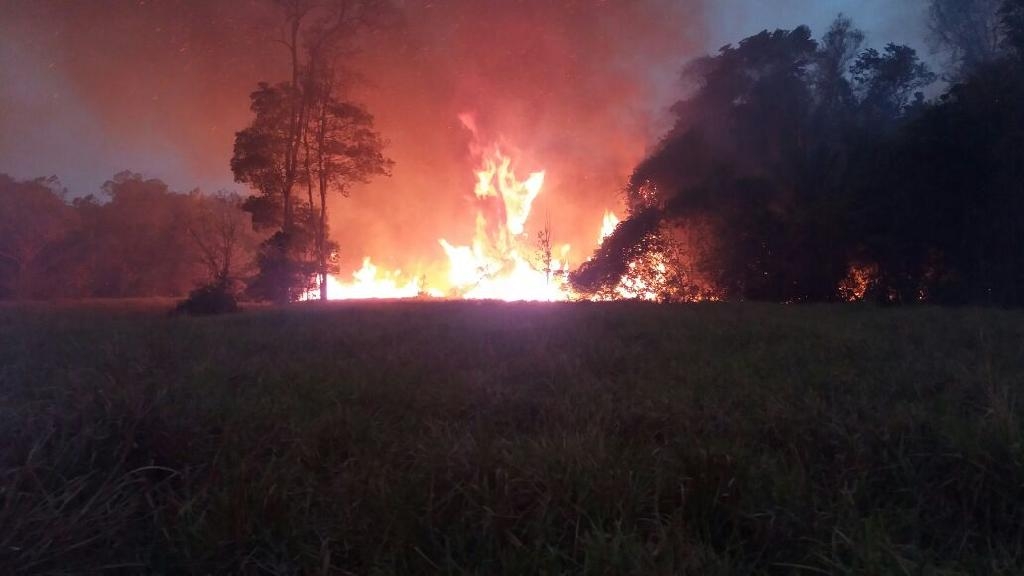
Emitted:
<point x="644" y="279"/>
<point x="859" y="279"/>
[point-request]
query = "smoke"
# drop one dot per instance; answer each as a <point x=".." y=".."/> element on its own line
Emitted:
<point x="575" y="88"/>
<point x="578" y="88"/>
<point x="157" y="86"/>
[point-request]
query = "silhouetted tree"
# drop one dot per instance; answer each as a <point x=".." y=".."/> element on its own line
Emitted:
<point x="33" y="215"/>
<point x="836" y="51"/>
<point x="262" y="158"/>
<point x="889" y="82"/>
<point x="304" y="133"/>
<point x="224" y="236"/>
<point x="136" y="238"/>
<point x="968" y="29"/>
<point x="776" y="157"/>
<point x="1011" y="16"/>
<point x="342" y="149"/>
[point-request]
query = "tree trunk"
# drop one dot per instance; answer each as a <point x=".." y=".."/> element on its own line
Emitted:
<point x="321" y="229"/>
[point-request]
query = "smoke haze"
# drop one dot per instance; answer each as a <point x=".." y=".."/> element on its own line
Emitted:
<point x="578" y="88"/>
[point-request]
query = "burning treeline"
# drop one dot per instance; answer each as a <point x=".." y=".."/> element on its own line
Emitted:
<point x="768" y="186"/>
<point x="490" y="147"/>
<point x="306" y="135"/>
<point x="803" y="169"/>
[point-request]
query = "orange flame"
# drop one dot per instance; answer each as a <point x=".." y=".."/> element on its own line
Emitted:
<point x="502" y="262"/>
<point x="608" y="224"/>
<point x="497" y="265"/>
<point x="860" y="278"/>
<point x="368" y="283"/>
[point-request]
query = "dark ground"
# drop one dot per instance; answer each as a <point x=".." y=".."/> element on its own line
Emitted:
<point x="484" y="438"/>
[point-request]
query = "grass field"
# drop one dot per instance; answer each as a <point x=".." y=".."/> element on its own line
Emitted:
<point x="483" y="438"/>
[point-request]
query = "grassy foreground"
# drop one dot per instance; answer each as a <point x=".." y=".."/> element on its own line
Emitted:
<point x="465" y="438"/>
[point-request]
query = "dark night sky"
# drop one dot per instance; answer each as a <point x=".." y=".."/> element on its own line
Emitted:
<point x="580" y="87"/>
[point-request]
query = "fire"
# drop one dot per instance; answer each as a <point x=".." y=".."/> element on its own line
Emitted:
<point x="608" y="224"/>
<point x="858" y="281"/>
<point x="497" y="180"/>
<point x="501" y="262"/>
<point x="644" y="279"/>
<point x="369" y="283"/>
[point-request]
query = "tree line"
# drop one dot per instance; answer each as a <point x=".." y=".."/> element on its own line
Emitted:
<point x="798" y="169"/>
<point x="136" y="238"/>
<point x="802" y="169"/>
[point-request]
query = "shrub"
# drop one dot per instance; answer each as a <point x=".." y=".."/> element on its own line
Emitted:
<point x="215" y="298"/>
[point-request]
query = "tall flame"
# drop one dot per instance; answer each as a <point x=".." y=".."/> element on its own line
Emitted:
<point x="498" y="263"/>
<point x="502" y="262"/>
<point x="608" y="225"/>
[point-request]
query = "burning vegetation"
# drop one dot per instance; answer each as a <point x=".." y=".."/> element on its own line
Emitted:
<point x="794" y="168"/>
<point x="502" y="262"/>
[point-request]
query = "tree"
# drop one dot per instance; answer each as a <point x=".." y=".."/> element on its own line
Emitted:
<point x="140" y="239"/>
<point x="262" y="158"/>
<point x="323" y="28"/>
<point x="342" y="149"/>
<point x="225" y="240"/>
<point x="545" y="255"/>
<point x="734" y="165"/>
<point x="888" y="80"/>
<point x="949" y="226"/>
<point x="837" y="50"/>
<point x="968" y="29"/>
<point x="1011" y="17"/>
<point x="33" y="215"/>
<point x="223" y="234"/>
<point x="261" y="152"/>
<point x="304" y="133"/>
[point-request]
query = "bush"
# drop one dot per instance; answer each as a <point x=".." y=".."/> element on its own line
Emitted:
<point x="216" y="298"/>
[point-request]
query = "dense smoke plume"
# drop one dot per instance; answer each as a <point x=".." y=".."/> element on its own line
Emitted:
<point x="576" y="88"/>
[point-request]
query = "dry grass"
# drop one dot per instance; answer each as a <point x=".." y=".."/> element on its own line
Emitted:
<point x="481" y="438"/>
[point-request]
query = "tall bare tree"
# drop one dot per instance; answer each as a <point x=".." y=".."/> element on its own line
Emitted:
<point x="223" y="236"/>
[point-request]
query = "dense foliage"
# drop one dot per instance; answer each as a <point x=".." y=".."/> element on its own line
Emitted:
<point x="797" y="169"/>
<point x="137" y="238"/>
<point x="305" y="135"/>
<point x="333" y="148"/>
<point x="209" y="299"/>
<point x="804" y="170"/>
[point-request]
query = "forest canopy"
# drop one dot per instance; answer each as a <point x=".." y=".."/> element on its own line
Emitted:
<point x="797" y="169"/>
<point x="815" y="170"/>
<point x="136" y="238"/>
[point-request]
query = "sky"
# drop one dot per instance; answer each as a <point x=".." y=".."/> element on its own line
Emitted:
<point x="883" y="21"/>
<point x="579" y="88"/>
